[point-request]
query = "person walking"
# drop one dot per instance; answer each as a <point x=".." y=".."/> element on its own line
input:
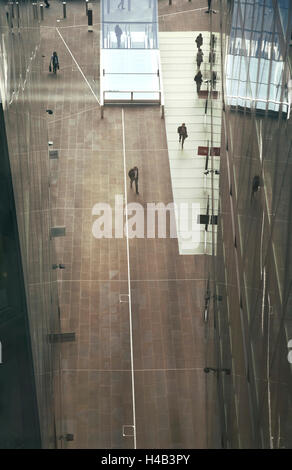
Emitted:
<point x="119" y="33"/>
<point x="183" y="134"/>
<point x="212" y="57"/>
<point x="199" y="57"/>
<point x="213" y="41"/>
<point x="54" y="63"/>
<point x="199" y="79"/>
<point x="214" y="79"/>
<point x="134" y="175"/>
<point x="209" y="6"/>
<point x="256" y="183"/>
<point x="47" y="3"/>
<point x="199" y="40"/>
<point x="121" y="5"/>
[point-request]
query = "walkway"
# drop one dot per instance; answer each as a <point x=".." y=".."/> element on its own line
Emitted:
<point x="169" y="403"/>
<point x="189" y="183"/>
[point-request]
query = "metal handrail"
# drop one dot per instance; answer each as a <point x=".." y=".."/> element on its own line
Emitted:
<point x="132" y="93"/>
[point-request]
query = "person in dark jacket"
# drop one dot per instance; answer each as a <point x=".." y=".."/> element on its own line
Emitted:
<point x="255" y="184"/>
<point x="198" y="79"/>
<point x="212" y="57"/>
<point x="54" y="63"/>
<point x="214" y="79"/>
<point x="119" y="33"/>
<point x="213" y="41"/>
<point x="199" y="57"/>
<point x="183" y="134"/>
<point x="199" y="40"/>
<point x="134" y="175"/>
<point x="47" y="3"/>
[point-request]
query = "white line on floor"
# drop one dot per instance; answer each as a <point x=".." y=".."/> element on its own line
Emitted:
<point x="133" y="280"/>
<point x="89" y="148"/>
<point x="71" y="26"/>
<point x="180" y="12"/>
<point x="129" y="281"/>
<point x="80" y="26"/>
<point x="78" y="66"/>
<point x="136" y="370"/>
<point x="70" y="116"/>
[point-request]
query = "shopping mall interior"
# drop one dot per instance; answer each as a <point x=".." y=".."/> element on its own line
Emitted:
<point x="149" y="309"/>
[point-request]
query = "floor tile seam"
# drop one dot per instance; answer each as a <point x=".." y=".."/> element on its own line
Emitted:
<point x="173" y="106"/>
<point x="188" y="65"/>
<point x="187" y="58"/>
<point x="184" y="34"/>
<point x="171" y="54"/>
<point x="143" y="203"/>
<point x="173" y="136"/>
<point x="71" y="116"/>
<point x="75" y="26"/>
<point x="78" y="149"/>
<point x="137" y="280"/>
<point x="181" y="12"/>
<point x="186" y="369"/>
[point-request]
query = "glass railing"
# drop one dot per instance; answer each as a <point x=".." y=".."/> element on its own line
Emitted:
<point x="129" y="36"/>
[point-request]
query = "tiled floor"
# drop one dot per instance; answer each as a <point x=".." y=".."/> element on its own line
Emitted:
<point x="171" y="402"/>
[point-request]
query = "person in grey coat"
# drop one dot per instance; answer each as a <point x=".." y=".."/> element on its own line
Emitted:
<point x="134" y="175"/>
<point x="199" y="57"/>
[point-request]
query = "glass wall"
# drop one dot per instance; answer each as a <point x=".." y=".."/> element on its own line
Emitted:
<point x="255" y="62"/>
<point x="19" y="426"/>
<point x="26" y="131"/>
<point x="252" y="270"/>
<point x="283" y="6"/>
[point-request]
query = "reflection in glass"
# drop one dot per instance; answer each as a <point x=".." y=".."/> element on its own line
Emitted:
<point x="255" y="66"/>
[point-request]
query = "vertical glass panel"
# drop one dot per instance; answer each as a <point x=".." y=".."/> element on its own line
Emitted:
<point x="255" y="60"/>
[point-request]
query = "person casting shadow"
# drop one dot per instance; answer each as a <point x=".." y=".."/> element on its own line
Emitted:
<point x="134" y="175"/>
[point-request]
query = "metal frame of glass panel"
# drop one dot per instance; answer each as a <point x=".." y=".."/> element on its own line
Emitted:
<point x="255" y="63"/>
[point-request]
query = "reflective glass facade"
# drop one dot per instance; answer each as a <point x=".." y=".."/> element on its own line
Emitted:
<point x="255" y="63"/>
<point x="33" y="300"/>
<point x="246" y="301"/>
<point x="19" y="417"/>
<point x="250" y="278"/>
